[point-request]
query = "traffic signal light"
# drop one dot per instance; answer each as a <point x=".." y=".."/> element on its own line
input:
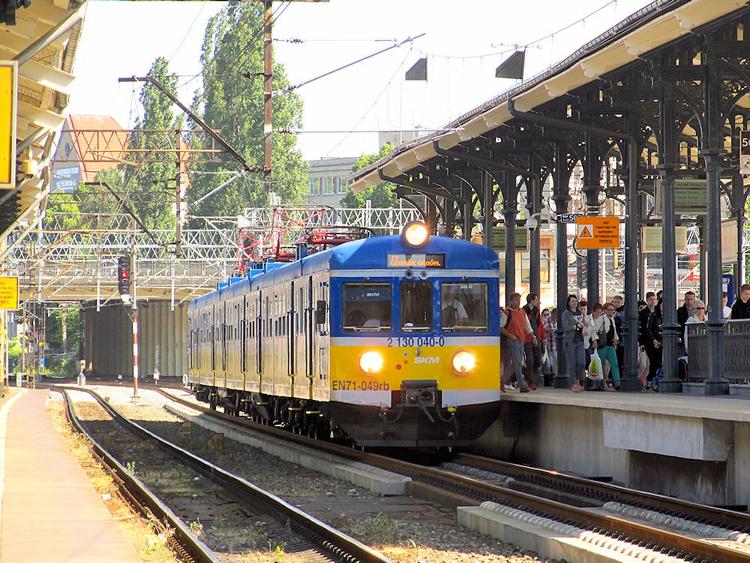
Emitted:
<point x="123" y="275"/>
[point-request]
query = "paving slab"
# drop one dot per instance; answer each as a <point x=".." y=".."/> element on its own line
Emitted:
<point x="49" y="510"/>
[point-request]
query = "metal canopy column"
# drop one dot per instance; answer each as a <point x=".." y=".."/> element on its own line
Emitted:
<point x="670" y="328"/>
<point x="629" y="380"/>
<point x="534" y="204"/>
<point x="488" y="207"/>
<point x="591" y="189"/>
<point x="510" y="210"/>
<point x="712" y="151"/>
<point x="561" y="198"/>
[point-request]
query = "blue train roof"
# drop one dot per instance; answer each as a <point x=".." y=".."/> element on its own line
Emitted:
<point x="365" y="254"/>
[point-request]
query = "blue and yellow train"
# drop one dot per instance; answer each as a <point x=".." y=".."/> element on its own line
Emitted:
<point x="388" y="341"/>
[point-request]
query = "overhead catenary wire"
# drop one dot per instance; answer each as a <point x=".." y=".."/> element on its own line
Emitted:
<point x="348" y="65"/>
<point x="373" y="104"/>
<point x="187" y="33"/>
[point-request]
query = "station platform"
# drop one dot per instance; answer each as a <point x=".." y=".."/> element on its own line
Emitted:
<point x="49" y="510"/>
<point x="693" y="447"/>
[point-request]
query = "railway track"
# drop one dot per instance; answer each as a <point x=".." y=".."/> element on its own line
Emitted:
<point x="666" y="526"/>
<point x="183" y="542"/>
<point x="234" y="497"/>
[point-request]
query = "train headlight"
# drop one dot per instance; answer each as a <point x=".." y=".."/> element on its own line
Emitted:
<point x="415" y="234"/>
<point x="371" y="362"/>
<point x="464" y="362"/>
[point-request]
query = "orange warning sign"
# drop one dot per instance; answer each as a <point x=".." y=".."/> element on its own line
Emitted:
<point x="597" y="232"/>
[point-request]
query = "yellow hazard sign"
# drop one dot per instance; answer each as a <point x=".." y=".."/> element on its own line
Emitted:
<point x="594" y="232"/>
<point x="8" y="293"/>
<point x="8" y="89"/>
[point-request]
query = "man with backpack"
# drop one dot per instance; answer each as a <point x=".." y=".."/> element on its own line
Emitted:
<point x="514" y="329"/>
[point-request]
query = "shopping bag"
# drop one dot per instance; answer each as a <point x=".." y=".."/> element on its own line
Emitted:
<point x="595" y="366"/>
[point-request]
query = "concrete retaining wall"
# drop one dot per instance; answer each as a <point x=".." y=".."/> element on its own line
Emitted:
<point x="572" y="439"/>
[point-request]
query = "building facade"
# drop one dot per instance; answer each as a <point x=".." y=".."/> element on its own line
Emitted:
<point x="88" y="144"/>
<point x="329" y="180"/>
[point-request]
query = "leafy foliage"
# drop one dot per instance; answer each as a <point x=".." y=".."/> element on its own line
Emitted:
<point x="381" y="195"/>
<point x="153" y="187"/>
<point x="231" y="101"/>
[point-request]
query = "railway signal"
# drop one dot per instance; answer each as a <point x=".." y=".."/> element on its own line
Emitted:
<point x="123" y="275"/>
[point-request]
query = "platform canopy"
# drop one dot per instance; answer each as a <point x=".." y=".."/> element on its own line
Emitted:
<point x="43" y="43"/>
<point x="656" y="25"/>
<point x="658" y="103"/>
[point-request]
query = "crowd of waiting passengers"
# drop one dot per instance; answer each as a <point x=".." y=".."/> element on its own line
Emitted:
<point x="592" y="337"/>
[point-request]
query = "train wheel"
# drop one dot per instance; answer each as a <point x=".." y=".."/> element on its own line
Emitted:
<point x="213" y="401"/>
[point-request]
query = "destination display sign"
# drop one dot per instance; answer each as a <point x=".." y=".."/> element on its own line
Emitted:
<point x="416" y="260"/>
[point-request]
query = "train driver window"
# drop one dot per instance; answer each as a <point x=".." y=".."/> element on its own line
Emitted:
<point x="367" y="307"/>
<point x="416" y="306"/>
<point x="463" y="306"/>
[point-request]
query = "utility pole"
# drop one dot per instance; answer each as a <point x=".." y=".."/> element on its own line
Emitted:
<point x="267" y="92"/>
<point x="134" y="313"/>
<point x="182" y="181"/>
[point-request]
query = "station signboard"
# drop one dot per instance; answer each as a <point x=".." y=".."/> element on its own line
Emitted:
<point x="745" y="152"/>
<point x="689" y="196"/>
<point x="651" y="240"/>
<point x="497" y="238"/>
<point x="9" y="293"/>
<point x="568" y="217"/>
<point x="8" y="112"/>
<point x="596" y="232"/>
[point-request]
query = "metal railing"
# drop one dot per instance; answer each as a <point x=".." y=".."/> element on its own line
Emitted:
<point x="736" y="351"/>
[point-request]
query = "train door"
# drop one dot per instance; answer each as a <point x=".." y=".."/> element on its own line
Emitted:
<point x="310" y="371"/>
<point x="223" y="333"/>
<point x="290" y="332"/>
<point x="267" y="345"/>
<point x="213" y="343"/>
<point x="243" y="340"/>
<point x="299" y="339"/>
<point x="320" y="334"/>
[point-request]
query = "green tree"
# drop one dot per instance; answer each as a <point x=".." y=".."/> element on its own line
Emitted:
<point x="152" y="187"/>
<point x="231" y="101"/>
<point x="380" y="195"/>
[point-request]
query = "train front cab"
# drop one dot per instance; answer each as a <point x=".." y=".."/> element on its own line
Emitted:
<point x="415" y="356"/>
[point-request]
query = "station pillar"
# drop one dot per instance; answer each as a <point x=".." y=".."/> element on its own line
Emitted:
<point x="671" y="330"/>
<point x="560" y="198"/>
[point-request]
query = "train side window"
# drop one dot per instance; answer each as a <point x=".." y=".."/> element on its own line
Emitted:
<point x="463" y="306"/>
<point x="367" y="307"/>
<point x="416" y="306"/>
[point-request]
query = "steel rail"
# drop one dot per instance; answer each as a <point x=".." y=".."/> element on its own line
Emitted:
<point x="610" y="492"/>
<point x="143" y="498"/>
<point x="472" y="488"/>
<point x="320" y="533"/>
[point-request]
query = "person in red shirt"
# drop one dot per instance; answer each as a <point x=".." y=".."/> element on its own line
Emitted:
<point x="514" y="329"/>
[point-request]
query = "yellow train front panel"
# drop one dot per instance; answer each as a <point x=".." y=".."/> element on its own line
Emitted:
<point x="415" y="358"/>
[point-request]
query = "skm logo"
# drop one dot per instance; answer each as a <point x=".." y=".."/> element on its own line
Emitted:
<point x="426" y="360"/>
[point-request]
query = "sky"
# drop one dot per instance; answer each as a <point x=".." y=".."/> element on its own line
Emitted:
<point x="464" y="42"/>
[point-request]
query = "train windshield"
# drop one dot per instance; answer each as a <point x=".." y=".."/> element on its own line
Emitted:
<point x="416" y="306"/>
<point x="464" y="306"/>
<point x="367" y="307"/>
